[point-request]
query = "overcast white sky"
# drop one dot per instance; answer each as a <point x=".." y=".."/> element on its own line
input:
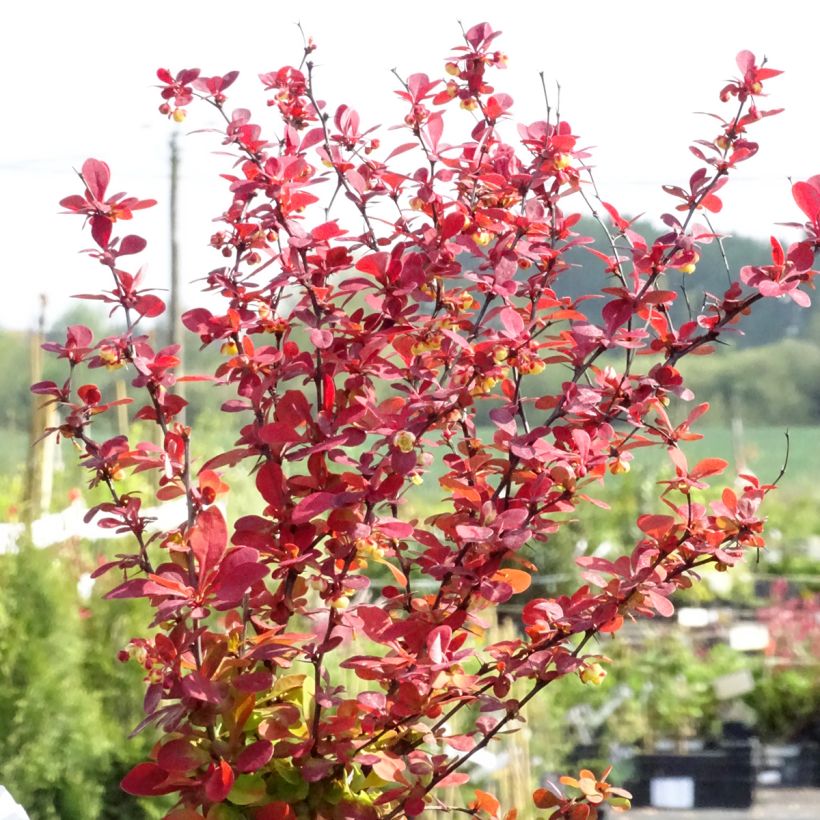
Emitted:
<point x="79" y="82"/>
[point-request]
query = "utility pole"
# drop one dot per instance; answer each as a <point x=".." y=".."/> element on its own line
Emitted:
<point x="174" y="331"/>
<point x="40" y="463"/>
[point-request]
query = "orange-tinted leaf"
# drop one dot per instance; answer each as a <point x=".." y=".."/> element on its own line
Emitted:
<point x="486" y="802"/>
<point x="546" y="799"/>
<point x="709" y="466"/>
<point x="656" y="525"/>
<point x="516" y="578"/>
<point x="612" y="625"/>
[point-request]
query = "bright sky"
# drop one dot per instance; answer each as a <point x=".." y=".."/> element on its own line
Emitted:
<point x="79" y="82"/>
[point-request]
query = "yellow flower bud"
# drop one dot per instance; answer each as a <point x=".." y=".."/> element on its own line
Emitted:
<point x="619" y="466"/>
<point x="593" y="673"/>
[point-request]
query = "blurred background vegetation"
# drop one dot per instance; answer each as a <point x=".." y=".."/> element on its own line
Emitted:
<point x="67" y="705"/>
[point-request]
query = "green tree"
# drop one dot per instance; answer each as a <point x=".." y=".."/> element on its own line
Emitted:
<point x="63" y="710"/>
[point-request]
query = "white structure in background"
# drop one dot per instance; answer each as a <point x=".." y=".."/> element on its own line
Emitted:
<point x="56" y="528"/>
<point x="749" y="637"/>
<point x="672" y="792"/>
<point x="696" y="617"/>
<point x="9" y="808"/>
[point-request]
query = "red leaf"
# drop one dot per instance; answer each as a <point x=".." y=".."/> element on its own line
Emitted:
<point x="149" y="305"/>
<point x="131" y="244"/>
<point x="219" y="782"/>
<point x="807" y="198"/>
<point x="454" y="779"/>
<point x="471" y="532"/>
<point x="234" y="582"/>
<point x="374" y="264"/>
<point x="96" y="175"/>
<point x="329" y="393"/>
<point x="254" y="682"/>
<point x="197" y="686"/>
<point x="254" y="757"/>
<point x="322" y="339"/>
<point x="180" y="756"/>
<point x="407" y="146"/>
<point x="146" y="780"/>
<point x="512" y="323"/>
<point x="208" y="538"/>
<point x="497" y="105"/>
<point x="311" y="506"/>
<point x="275" y="811"/>
<point x="414" y="806"/>
<point x="461" y="743"/>
<point x="452" y="224"/>
<point x="101" y="230"/>
<point x="435" y="128"/>
<point x="663" y="605"/>
<point x="135" y="588"/>
<point x="328" y="230"/>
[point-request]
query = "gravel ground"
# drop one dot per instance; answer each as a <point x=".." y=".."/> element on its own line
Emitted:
<point x="770" y="804"/>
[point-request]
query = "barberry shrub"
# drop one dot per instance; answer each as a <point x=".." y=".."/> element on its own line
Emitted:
<point x="373" y="304"/>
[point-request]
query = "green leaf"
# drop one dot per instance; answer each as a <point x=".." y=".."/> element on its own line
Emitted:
<point x="248" y="789"/>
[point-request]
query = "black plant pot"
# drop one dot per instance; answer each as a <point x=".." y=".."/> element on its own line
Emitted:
<point x="722" y="778"/>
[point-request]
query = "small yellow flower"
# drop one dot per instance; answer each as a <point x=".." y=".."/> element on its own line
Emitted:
<point x="483" y="385"/>
<point x="111" y="357"/>
<point x="561" y="161"/>
<point x="424" y="345"/>
<point x="405" y="441"/>
<point x="369" y="548"/>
